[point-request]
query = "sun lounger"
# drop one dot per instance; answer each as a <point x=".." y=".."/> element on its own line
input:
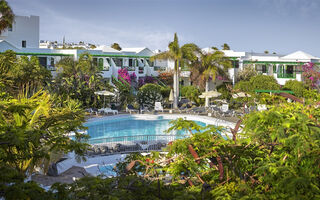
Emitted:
<point x="158" y="106"/>
<point x="131" y="109"/>
<point x="108" y="110"/>
<point x="144" y="109"/>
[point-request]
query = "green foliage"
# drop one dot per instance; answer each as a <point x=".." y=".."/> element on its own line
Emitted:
<point x="79" y="80"/>
<point x="246" y="73"/>
<point x="264" y="82"/>
<point x="209" y="66"/>
<point x="311" y="95"/>
<point x="296" y="86"/>
<point x="225" y="92"/>
<point x="32" y="128"/>
<point x="149" y="94"/>
<point x="7" y="16"/>
<point x="243" y="86"/>
<point x="124" y="91"/>
<point x="259" y="82"/>
<point x="225" y="46"/>
<point x="290" y="134"/>
<point x="21" y="74"/>
<point x="165" y="91"/>
<point x="116" y="46"/>
<point x="192" y="93"/>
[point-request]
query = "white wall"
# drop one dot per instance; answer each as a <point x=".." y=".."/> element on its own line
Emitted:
<point x="25" y="28"/>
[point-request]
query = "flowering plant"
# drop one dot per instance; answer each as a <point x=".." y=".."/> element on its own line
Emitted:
<point x="123" y="75"/>
<point x="311" y="75"/>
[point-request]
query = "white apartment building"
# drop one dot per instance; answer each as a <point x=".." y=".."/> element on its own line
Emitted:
<point x="23" y="38"/>
<point x="24" y="32"/>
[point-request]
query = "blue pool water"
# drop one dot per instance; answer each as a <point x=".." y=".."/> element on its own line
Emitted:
<point x="128" y="126"/>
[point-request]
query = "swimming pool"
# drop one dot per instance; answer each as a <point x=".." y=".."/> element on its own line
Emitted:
<point x="115" y="128"/>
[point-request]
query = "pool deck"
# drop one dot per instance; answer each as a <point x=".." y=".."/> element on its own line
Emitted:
<point x="174" y="116"/>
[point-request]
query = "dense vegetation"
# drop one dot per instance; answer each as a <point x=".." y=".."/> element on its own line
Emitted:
<point x="279" y="159"/>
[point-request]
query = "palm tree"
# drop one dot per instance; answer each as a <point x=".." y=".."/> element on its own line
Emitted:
<point x="207" y="67"/>
<point x="181" y="56"/>
<point x="7" y="16"/>
<point x="225" y="46"/>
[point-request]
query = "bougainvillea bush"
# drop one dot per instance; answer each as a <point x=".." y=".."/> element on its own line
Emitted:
<point x="123" y="75"/>
<point x="311" y="75"/>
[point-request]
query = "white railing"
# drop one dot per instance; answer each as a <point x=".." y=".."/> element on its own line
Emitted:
<point x="126" y="144"/>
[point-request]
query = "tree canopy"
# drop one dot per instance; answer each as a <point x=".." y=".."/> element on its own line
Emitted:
<point x="7" y="16"/>
<point x="116" y="46"/>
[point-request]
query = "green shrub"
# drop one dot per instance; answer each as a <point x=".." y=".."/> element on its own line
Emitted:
<point x="149" y="94"/>
<point x="246" y="73"/>
<point x="225" y="93"/>
<point x="165" y="91"/>
<point x="296" y="86"/>
<point x="191" y="92"/>
<point x="264" y="82"/>
<point x="259" y="82"/>
<point x="243" y="86"/>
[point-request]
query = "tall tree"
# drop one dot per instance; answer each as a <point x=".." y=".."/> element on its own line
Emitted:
<point x="7" y="16"/>
<point x="207" y="67"/>
<point x="78" y="79"/>
<point x="181" y="56"/>
<point x="225" y="46"/>
<point x="116" y="46"/>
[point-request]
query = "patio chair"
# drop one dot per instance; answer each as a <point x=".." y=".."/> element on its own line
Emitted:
<point x="224" y="107"/>
<point x="158" y="106"/>
<point x="92" y="111"/>
<point x="131" y="109"/>
<point x="199" y="110"/>
<point x="144" y="108"/>
<point x="109" y="110"/>
<point x="183" y="108"/>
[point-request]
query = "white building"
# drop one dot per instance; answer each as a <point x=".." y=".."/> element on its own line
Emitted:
<point x="282" y="67"/>
<point x="23" y="38"/>
<point x="24" y="32"/>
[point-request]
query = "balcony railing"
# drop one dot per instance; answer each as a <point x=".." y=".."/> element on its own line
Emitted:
<point x="158" y="68"/>
<point x="129" y="68"/>
<point x="286" y="75"/>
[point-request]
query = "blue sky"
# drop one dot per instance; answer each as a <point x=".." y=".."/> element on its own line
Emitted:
<point x="281" y="26"/>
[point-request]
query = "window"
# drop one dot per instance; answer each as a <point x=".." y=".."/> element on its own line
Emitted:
<point x="100" y="63"/>
<point x="95" y="61"/>
<point x="235" y="63"/>
<point x="52" y="62"/>
<point x="117" y="61"/>
<point x="10" y="29"/>
<point x="108" y="61"/>
<point x="43" y="61"/>
<point x="24" y="44"/>
<point x="274" y="68"/>
<point x="264" y="68"/>
<point x="286" y="71"/>
<point x="151" y="64"/>
<point x="141" y="69"/>
<point x="130" y="62"/>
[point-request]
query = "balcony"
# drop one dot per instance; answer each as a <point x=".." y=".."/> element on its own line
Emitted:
<point x="129" y="68"/>
<point x="286" y="75"/>
<point x="158" y="68"/>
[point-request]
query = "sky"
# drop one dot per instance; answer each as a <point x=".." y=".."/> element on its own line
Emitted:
<point x="281" y="26"/>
